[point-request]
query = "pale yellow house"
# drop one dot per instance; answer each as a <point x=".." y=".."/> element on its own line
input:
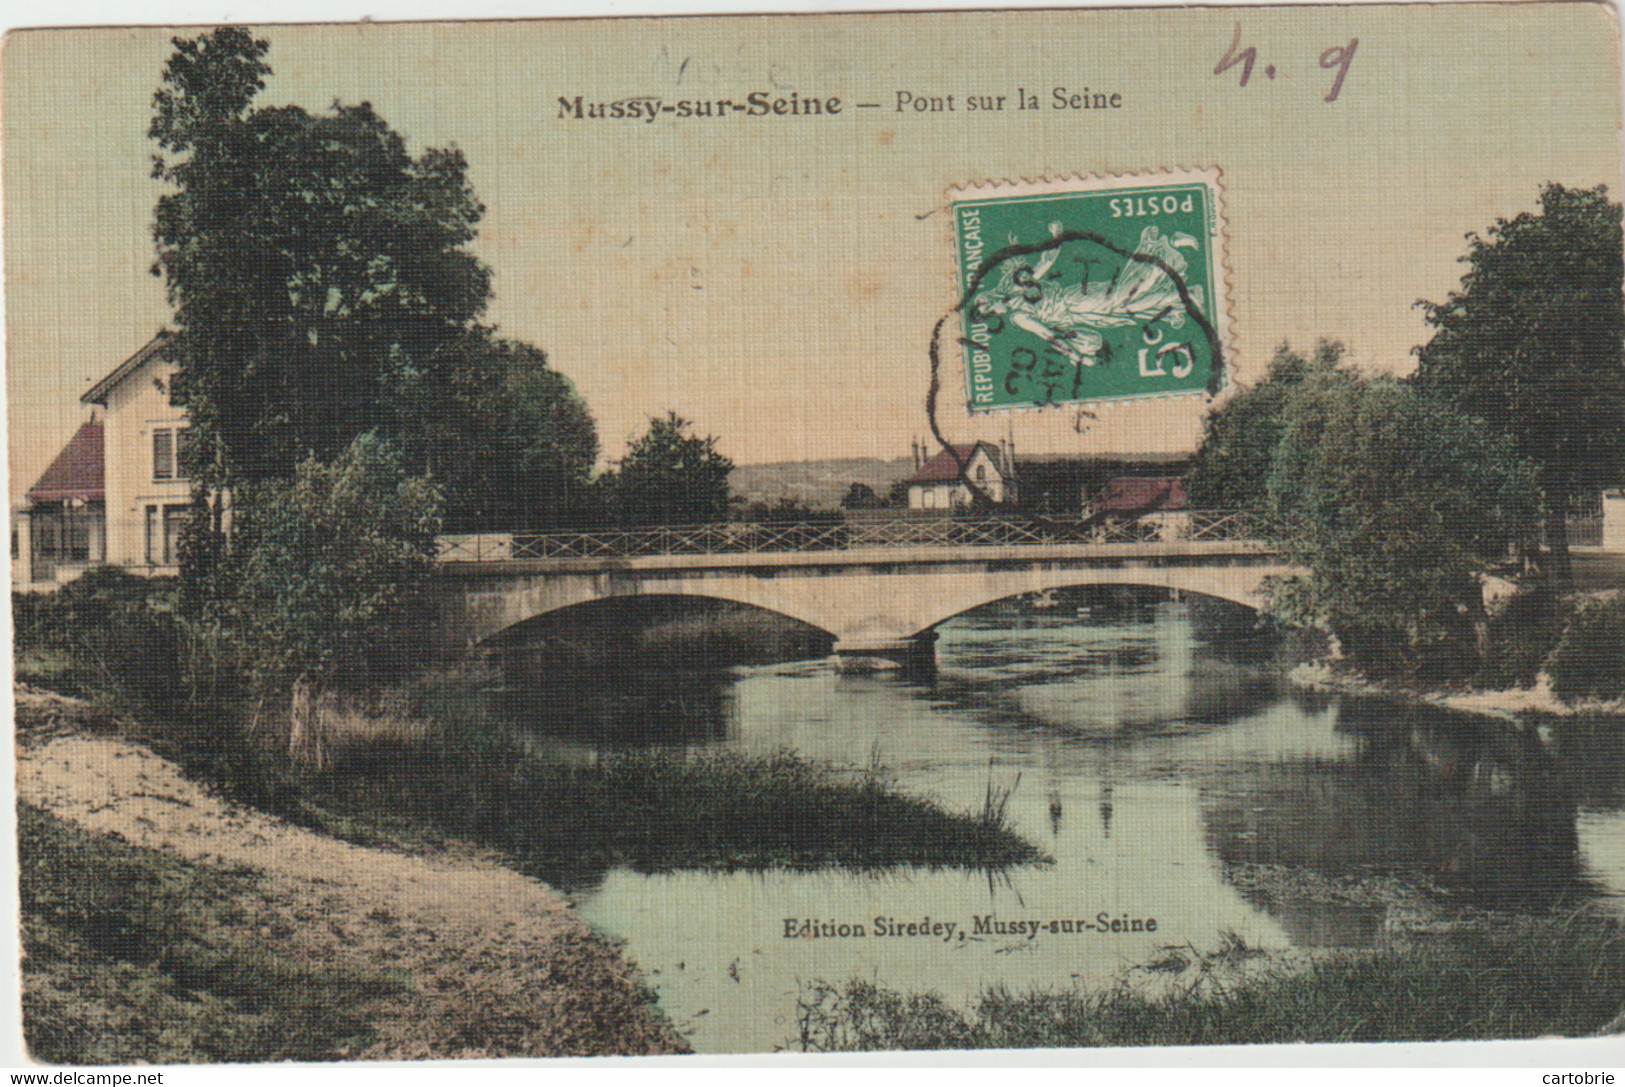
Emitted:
<point x="118" y="493"/>
<point x="145" y="484"/>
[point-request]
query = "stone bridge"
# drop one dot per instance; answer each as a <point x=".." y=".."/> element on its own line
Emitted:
<point x="878" y="590"/>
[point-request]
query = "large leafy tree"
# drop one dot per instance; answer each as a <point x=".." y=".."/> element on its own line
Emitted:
<point x="324" y="288"/>
<point x="506" y="436"/>
<point x="312" y="263"/>
<point x="670" y="476"/>
<point x="1238" y="447"/>
<point x="1532" y="343"/>
<point x="1396" y="503"/>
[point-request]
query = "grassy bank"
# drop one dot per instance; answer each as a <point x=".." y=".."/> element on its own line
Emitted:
<point x="1548" y="655"/>
<point x="132" y="954"/>
<point x="1511" y="978"/>
<point x="1535" y="703"/>
<point x="652" y="811"/>
<point x="391" y="775"/>
<point x="411" y="770"/>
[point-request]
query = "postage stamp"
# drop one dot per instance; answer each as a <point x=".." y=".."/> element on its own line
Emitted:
<point x="1092" y="289"/>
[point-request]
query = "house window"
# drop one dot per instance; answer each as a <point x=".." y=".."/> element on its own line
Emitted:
<point x="66" y="533"/>
<point x="981" y="473"/>
<point x="76" y="537"/>
<point x="45" y="536"/>
<point x="171" y="447"/>
<point x="164" y="534"/>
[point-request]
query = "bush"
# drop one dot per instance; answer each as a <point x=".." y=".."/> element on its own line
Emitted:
<point x="118" y="631"/>
<point x="1522" y="637"/>
<point x="326" y="575"/>
<point x="1590" y="660"/>
<point x="320" y="589"/>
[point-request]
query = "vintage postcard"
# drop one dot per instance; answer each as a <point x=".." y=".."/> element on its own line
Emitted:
<point x="815" y="533"/>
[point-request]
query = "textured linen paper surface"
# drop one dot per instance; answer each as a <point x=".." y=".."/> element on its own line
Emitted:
<point x="744" y="533"/>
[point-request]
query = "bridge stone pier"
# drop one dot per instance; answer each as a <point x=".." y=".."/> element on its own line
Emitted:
<point x="878" y="602"/>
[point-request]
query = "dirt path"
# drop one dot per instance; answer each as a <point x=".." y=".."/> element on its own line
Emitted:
<point x="501" y="966"/>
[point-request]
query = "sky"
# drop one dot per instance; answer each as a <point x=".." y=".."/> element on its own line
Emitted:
<point x="775" y="280"/>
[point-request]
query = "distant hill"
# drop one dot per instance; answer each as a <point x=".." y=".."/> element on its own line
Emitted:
<point x="818" y="484"/>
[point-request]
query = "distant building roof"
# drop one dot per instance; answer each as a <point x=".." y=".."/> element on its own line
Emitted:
<point x="1141" y="494"/>
<point x="77" y="471"/>
<point x="944" y="467"/>
<point x="155" y="347"/>
<point x="1175" y="461"/>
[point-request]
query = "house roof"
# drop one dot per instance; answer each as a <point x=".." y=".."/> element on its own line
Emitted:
<point x="155" y="347"/>
<point x="944" y="467"/>
<point x="1141" y="494"/>
<point x="76" y="473"/>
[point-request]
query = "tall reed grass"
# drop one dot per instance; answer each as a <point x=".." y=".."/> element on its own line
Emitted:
<point x="1515" y="977"/>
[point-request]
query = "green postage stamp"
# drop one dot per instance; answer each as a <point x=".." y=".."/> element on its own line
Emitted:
<point x="1090" y="289"/>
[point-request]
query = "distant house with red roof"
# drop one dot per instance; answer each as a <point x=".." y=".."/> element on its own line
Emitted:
<point x="943" y="481"/>
<point x="118" y="492"/>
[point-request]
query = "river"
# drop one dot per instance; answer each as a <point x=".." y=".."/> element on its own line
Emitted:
<point x="1154" y="759"/>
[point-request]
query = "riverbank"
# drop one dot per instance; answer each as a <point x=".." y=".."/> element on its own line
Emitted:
<point x="1495" y="977"/>
<point x="371" y="953"/>
<point x="1516" y="704"/>
<point x="1437" y="970"/>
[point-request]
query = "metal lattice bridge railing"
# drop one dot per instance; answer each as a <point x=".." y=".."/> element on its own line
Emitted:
<point x="730" y="538"/>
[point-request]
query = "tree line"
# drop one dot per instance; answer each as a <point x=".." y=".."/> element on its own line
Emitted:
<point x="1401" y="496"/>
<point x="347" y="400"/>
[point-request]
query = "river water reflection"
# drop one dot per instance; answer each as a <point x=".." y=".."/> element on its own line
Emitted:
<point x="1152" y="762"/>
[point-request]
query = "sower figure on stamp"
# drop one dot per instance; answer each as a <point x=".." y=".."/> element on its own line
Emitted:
<point x="1067" y="316"/>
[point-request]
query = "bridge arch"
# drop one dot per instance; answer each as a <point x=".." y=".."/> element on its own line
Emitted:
<point x="591" y="612"/>
<point x="1247" y="590"/>
<point x="476" y="611"/>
